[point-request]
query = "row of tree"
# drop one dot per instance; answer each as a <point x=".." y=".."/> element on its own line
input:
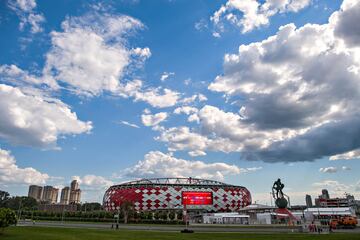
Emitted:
<point x="16" y="202"/>
<point x="103" y="216"/>
<point x="28" y="208"/>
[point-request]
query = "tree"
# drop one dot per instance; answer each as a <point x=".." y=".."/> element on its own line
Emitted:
<point x="180" y="215"/>
<point x="172" y="215"/>
<point x="25" y="203"/>
<point x="4" y="197"/>
<point x="163" y="215"/>
<point x="7" y="218"/>
<point x="157" y="215"/>
<point x="126" y="208"/>
<point x="94" y="206"/>
<point x="29" y="203"/>
<point x="149" y="215"/>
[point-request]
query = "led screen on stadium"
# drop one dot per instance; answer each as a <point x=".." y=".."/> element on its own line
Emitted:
<point x="197" y="198"/>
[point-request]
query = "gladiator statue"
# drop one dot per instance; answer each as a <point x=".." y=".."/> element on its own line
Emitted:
<point x="278" y="187"/>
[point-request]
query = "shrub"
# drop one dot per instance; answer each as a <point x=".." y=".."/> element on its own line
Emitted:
<point x="7" y="218"/>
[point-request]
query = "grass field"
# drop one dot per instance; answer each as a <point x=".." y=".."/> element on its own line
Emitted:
<point x="44" y="233"/>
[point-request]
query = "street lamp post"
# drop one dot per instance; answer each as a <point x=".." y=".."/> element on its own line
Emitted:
<point x="19" y="210"/>
<point x="63" y="211"/>
<point x="117" y="220"/>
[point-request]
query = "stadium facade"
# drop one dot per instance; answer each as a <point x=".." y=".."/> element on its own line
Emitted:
<point x="168" y="193"/>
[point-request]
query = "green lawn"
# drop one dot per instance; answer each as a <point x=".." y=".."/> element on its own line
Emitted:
<point x="45" y="233"/>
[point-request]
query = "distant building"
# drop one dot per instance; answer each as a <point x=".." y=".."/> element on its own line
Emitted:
<point x="75" y="196"/>
<point x="74" y="185"/>
<point x="325" y="194"/>
<point x="35" y="192"/>
<point x="324" y="215"/>
<point x="333" y="202"/>
<point x="50" y="194"/>
<point x="225" y="218"/>
<point x="308" y="201"/>
<point x="65" y="195"/>
<point x="253" y="210"/>
<point x="75" y="192"/>
<point x="58" y="208"/>
<point x="324" y="201"/>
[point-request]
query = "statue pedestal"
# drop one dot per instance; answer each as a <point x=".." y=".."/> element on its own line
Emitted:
<point x="284" y="212"/>
<point x="281" y="202"/>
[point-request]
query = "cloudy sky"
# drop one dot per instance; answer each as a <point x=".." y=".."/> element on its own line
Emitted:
<point x="240" y="91"/>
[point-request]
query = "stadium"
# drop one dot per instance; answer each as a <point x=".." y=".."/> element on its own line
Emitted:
<point x="174" y="193"/>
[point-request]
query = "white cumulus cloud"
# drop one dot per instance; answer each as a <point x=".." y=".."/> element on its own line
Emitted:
<point x="142" y="52"/>
<point x="166" y="75"/>
<point x="158" y="97"/>
<point x="93" y="182"/>
<point x="150" y="120"/>
<point x="33" y="120"/>
<point x="328" y="170"/>
<point x="251" y="14"/>
<point x="158" y="164"/>
<point x="290" y="97"/>
<point x="355" y="154"/>
<point x="26" y="11"/>
<point x="11" y="173"/>
<point x="89" y="55"/>
<point x="186" y="110"/>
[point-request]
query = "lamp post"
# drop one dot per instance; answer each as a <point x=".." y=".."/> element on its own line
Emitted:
<point x="32" y="214"/>
<point x="185" y="217"/>
<point x="19" y="210"/>
<point x="62" y="216"/>
<point x="117" y="220"/>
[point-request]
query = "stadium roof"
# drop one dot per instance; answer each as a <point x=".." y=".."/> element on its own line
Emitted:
<point x="175" y="181"/>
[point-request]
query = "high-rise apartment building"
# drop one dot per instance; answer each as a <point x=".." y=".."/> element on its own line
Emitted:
<point x="75" y="192"/>
<point x="65" y="195"/>
<point x="35" y="192"/>
<point x="50" y="194"/>
<point x="308" y="201"/>
<point x="74" y="185"/>
<point x="325" y="194"/>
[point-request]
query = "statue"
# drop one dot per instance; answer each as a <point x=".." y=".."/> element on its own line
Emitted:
<point x="282" y="201"/>
<point x="278" y="186"/>
<point x="278" y="194"/>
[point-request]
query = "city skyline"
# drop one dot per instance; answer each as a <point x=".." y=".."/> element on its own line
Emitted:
<point x="50" y="195"/>
<point x="107" y="92"/>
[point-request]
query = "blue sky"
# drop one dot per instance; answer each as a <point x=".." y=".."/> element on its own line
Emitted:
<point x="238" y="91"/>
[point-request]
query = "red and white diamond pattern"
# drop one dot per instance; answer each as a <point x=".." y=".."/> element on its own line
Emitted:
<point x="153" y="198"/>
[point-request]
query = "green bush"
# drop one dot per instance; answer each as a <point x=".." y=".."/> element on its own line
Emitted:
<point x="7" y="218"/>
<point x="172" y="215"/>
